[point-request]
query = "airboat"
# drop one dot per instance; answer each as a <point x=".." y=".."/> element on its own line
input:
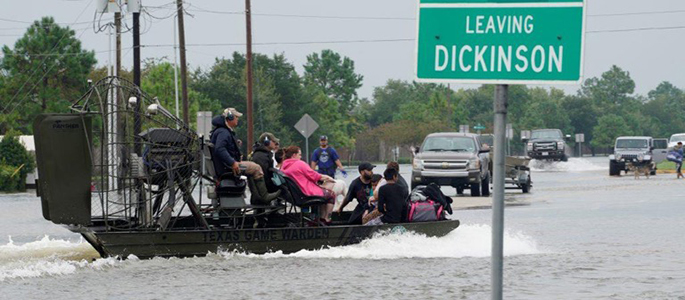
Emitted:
<point x="133" y="179"/>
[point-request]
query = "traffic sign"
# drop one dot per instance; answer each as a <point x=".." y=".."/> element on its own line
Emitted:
<point x="479" y="127"/>
<point x="500" y="41"/>
<point x="306" y="125"/>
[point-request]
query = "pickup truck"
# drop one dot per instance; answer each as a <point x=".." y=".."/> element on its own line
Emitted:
<point x="452" y="159"/>
<point x="547" y="144"/>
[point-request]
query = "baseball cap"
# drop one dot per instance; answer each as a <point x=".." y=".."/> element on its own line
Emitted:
<point x="233" y="111"/>
<point x="366" y="166"/>
<point x="323" y="137"/>
<point x="270" y="136"/>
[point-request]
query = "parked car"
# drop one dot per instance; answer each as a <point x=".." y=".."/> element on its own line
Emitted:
<point x="632" y="150"/>
<point x="675" y="138"/>
<point x="452" y="159"/>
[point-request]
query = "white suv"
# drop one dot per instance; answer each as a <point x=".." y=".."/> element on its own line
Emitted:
<point x="678" y="137"/>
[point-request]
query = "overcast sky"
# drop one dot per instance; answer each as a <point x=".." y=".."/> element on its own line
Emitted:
<point x="651" y="56"/>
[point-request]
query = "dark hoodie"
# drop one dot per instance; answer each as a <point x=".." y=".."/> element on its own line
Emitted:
<point x="264" y="158"/>
<point x="226" y="150"/>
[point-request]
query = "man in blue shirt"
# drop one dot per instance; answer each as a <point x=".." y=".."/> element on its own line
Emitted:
<point x="326" y="158"/>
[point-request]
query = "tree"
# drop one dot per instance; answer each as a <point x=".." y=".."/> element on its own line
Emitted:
<point x="544" y="110"/>
<point x="276" y="85"/>
<point x="335" y="76"/>
<point x="611" y="91"/>
<point x="46" y="70"/>
<point x="158" y="81"/>
<point x="608" y="128"/>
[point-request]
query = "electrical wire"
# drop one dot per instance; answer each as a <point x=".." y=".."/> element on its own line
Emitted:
<point x="283" y="43"/>
<point x="636" y="29"/>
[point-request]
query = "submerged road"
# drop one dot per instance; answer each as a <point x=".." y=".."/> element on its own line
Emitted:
<point x="579" y="235"/>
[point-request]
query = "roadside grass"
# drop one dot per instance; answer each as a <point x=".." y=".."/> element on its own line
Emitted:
<point x="666" y="165"/>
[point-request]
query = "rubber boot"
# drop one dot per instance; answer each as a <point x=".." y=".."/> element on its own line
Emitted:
<point x="263" y="194"/>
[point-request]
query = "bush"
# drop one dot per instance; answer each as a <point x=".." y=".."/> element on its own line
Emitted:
<point x="9" y="183"/>
<point x="15" y="164"/>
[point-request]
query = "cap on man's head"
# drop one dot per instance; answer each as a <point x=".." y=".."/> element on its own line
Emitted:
<point x="323" y="138"/>
<point x="269" y="135"/>
<point x="366" y="166"/>
<point x="232" y="111"/>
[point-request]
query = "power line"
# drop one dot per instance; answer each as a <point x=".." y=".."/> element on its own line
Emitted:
<point x="636" y="29"/>
<point x="57" y="54"/>
<point x="283" y="43"/>
<point x="31" y="22"/>
<point x="638" y="13"/>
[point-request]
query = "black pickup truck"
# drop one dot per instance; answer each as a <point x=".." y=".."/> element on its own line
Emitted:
<point x="547" y="144"/>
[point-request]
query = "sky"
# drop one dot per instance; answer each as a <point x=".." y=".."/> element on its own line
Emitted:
<point x="645" y="38"/>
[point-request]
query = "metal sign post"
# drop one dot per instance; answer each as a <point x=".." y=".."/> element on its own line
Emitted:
<point x="580" y="138"/>
<point x="306" y="126"/>
<point x="501" y="98"/>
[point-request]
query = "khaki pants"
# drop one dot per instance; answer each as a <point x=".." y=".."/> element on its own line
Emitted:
<point x="252" y="169"/>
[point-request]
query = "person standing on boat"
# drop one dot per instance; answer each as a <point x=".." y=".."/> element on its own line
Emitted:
<point x="359" y="189"/>
<point x="326" y="158"/>
<point x="227" y="156"/>
<point x="308" y="180"/>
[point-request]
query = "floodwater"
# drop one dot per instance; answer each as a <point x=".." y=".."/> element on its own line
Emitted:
<point x="584" y="235"/>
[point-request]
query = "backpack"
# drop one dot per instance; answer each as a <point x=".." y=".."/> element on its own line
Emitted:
<point x="425" y="211"/>
<point x="422" y="208"/>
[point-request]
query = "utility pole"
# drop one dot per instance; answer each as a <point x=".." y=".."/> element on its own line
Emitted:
<point x="120" y="103"/>
<point x="136" y="81"/>
<point x="182" y="49"/>
<point x="250" y="115"/>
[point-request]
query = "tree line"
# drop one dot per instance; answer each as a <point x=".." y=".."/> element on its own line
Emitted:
<point x="47" y="69"/>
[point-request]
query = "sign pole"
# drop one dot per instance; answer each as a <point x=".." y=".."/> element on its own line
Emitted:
<point x="500" y="107"/>
<point x="307" y="146"/>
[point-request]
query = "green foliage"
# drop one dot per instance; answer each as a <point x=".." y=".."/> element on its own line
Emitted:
<point x="157" y="80"/>
<point x="335" y="76"/>
<point x="15" y="164"/>
<point x="278" y="102"/>
<point x="666" y="165"/>
<point x="37" y="79"/>
<point x="608" y="128"/>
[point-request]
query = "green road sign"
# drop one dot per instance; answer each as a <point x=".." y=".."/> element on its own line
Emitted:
<point x="500" y="41"/>
<point x="479" y="127"/>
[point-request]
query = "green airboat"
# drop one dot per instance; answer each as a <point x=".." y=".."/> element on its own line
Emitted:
<point x="133" y="179"/>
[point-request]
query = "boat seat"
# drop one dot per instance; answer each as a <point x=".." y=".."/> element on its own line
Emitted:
<point x="294" y="195"/>
<point x="208" y="150"/>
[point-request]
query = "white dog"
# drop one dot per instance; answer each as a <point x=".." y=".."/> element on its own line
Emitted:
<point x="339" y="187"/>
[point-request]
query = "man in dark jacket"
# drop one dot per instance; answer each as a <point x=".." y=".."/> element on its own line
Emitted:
<point x="227" y="156"/>
<point x="263" y="155"/>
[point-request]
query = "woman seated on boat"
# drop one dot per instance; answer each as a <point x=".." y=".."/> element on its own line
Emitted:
<point x="308" y="180"/>
<point x="392" y="203"/>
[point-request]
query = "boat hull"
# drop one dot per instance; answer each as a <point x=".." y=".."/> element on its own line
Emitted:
<point x="201" y="242"/>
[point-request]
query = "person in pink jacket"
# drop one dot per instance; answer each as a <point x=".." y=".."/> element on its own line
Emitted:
<point x="308" y="180"/>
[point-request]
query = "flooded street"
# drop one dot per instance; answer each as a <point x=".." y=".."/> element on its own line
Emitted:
<point x="581" y="235"/>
